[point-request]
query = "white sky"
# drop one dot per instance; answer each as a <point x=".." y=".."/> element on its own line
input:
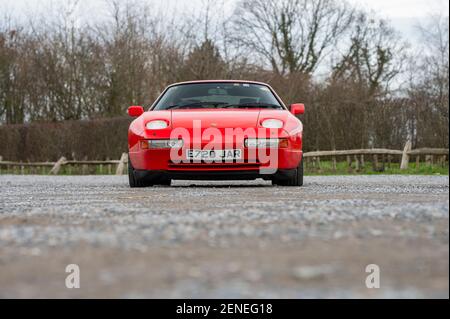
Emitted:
<point x="403" y="8"/>
<point x="404" y="15"/>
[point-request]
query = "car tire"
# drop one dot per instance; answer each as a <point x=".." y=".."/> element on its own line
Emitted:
<point x="165" y="182"/>
<point x="136" y="181"/>
<point x="295" y="180"/>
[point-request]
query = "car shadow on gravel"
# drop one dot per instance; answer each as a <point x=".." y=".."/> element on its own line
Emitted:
<point x="220" y="186"/>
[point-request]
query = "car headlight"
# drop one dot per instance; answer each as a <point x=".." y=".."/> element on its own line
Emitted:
<point x="266" y="142"/>
<point x="156" y="125"/>
<point x="158" y="144"/>
<point x="272" y="123"/>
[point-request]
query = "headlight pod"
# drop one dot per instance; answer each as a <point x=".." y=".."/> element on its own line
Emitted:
<point x="266" y="142"/>
<point x="156" y="125"/>
<point x="160" y="144"/>
<point x="272" y="123"/>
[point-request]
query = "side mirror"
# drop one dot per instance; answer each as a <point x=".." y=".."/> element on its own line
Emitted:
<point x="135" y="111"/>
<point x="297" y="108"/>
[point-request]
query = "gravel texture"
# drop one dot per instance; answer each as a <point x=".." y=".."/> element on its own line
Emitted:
<point x="225" y="239"/>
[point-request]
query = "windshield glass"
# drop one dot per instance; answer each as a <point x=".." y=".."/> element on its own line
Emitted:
<point x="218" y="95"/>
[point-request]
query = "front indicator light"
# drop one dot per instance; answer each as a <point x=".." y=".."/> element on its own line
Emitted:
<point x="161" y="144"/>
<point x="144" y="145"/>
<point x="266" y="143"/>
<point x="283" y="143"/>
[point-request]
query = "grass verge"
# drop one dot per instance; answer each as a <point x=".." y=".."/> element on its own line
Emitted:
<point x="326" y="168"/>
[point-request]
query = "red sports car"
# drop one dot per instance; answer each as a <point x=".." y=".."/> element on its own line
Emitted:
<point x="219" y="130"/>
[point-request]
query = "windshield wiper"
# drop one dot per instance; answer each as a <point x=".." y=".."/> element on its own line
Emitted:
<point x="194" y="104"/>
<point x="254" y="105"/>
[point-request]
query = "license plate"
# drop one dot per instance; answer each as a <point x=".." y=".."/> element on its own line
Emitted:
<point x="213" y="155"/>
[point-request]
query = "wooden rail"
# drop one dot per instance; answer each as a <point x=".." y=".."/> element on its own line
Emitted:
<point x="373" y="151"/>
<point x="429" y="151"/>
<point x="378" y="151"/>
<point x="357" y="156"/>
<point x="56" y="166"/>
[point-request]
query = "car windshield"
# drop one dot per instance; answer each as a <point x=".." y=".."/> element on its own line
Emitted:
<point x="218" y="95"/>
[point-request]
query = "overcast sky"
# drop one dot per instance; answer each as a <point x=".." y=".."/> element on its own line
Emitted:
<point x="405" y="15"/>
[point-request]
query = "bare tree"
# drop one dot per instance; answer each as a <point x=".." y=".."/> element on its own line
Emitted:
<point x="205" y="62"/>
<point x="375" y="54"/>
<point x="291" y="35"/>
<point x="429" y="85"/>
<point x="373" y="58"/>
<point x="13" y="62"/>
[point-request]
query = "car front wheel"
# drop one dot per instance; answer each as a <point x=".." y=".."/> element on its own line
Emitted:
<point x="134" y="180"/>
<point x="295" y="179"/>
<point x="137" y="180"/>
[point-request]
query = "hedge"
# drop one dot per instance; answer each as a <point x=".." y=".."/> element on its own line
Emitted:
<point x="94" y="140"/>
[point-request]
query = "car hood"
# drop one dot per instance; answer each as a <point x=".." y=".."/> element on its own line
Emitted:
<point x="221" y="118"/>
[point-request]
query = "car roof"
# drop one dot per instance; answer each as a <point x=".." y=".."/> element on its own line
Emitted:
<point x="219" y="81"/>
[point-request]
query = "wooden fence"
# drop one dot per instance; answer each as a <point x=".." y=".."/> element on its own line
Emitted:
<point x="379" y="157"/>
<point x="357" y="158"/>
<point x="119" y="165"/>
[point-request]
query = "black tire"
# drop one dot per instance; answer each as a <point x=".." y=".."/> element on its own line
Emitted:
<point x="300" y="174"/>
<point x="295" y="180"/>
<point x="165" y="182"/>
<point x="133" y="179"/>
<point x="136" y="181"/>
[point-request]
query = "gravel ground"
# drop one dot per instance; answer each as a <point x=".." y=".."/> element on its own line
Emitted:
<point x="224" y="239"/>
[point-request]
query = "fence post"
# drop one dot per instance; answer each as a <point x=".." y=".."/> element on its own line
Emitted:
<point x="121" y="165"/>
<point x="357" y="166"/>
<point x="55" y="169"/>
<point x="108" y="167"/>
<point x="349" y="163"/>
<point x="429" y="160"/>
<point x="444" y="159"/>
<point x="405" y="155"/>
<point x="334" y="163"/>
<point x="375" y="163"/>
<point x="84" y="168"/>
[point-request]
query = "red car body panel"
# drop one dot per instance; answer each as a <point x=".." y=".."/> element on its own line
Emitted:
<point x="221" y="120"/>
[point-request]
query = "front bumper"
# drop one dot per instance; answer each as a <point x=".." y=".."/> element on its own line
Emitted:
<point x="160" y="160"/>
